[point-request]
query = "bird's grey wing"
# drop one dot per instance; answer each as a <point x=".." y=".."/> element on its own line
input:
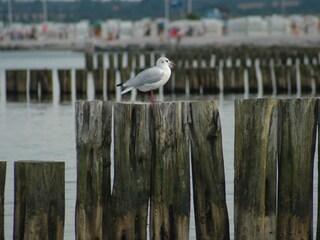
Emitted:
<point x="148" y="76"/>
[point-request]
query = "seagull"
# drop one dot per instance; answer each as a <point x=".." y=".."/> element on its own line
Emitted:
<point x="150" y="78"/>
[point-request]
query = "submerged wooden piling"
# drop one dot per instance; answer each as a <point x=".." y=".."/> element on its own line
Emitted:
<point x="93" y="141"/>
<point x="81" y="82"/>
<point x="42" y="78"/>
<point x="255" y="168"/>
<point x="170" y="179"/>
<point x="133" y="157"/>
<point x="211" y="216"/>
<point x="64" y="76"/>
<point x="297" y="133"/>
<point x="39" y="202"/>
<point x="16" y="81"/>
<point x="3" y="166"/>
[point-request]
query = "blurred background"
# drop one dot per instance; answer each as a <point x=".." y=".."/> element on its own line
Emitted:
<point x="156" y="21"/>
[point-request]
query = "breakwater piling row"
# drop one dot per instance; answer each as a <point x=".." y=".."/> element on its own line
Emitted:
<point x="270" y="70"/>
<point x="151" y="171"/>
<point x="158" y="151"/>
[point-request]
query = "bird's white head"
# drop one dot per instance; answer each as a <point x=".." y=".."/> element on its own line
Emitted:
<point x="164" y="62"/>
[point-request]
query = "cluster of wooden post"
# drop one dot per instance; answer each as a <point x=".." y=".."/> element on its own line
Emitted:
<point x="274" y="157"/>
<point x="152" y="145"/>
<point x="155" y="149"/>
<point x="203" y="70"/>
<point x="39" y="202"/>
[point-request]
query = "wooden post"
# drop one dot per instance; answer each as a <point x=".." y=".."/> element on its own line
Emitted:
<point x="180" y="79"/>
<point x="253" y="81"/>
<point x="265" y="68"/>
<point x="98" y="75"/>
<point x="239" y="79"/>
<point x="93" y="141"/>
<point x="42" y="78"/>
<point x="81" y="82"/>
<point x="89" y="60"/>
<point x="227" y="78"/>
<point x="194" y="83"/>
<point x="3" y="166"/>
<point x="16" y="81"/>
<point x="64" y="76"/>
<point x="39" y="202"/>
<point x="209" y="84"/>
<point x="133" y="157"/>
<point x="100" y="61"/>
<point x="297" y="133"/>
<point x="170" y="179"/>
<point x="211" y="216"/>
<point x="111" y="80"/>
<point x="306" y="77"/>
<point x="255" y="169"/>
<point x="281" y="78"/>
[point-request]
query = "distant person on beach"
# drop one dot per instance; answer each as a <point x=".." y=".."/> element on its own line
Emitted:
<point x="161" y="31"/>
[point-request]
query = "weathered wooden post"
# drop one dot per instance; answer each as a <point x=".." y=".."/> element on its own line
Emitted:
<point x="39" y="202"/>
<point x="64" y="76"/>
<point x="306" y="77"/>
<point x="265" y="68"/>
<point x="93" y="141"/>
<point x="89" y="60"/>
<point x="98" y="75"/>
<point x="239" y="78"/>
<point x="255" y="168"/>
<point x="211" y="216"/>
<point x="81" y="82"/>
<point x="3" y="166"/>
<point x="170" y="179"/>
<point x="100" y="61"/>
<point x="16" y="81"/>
<point x="297" y="133"/>
<point x="133" y="157"/>
<point x="111" y="75"/>
<point x="281" y="78"/>
<point x="43" y="78"/>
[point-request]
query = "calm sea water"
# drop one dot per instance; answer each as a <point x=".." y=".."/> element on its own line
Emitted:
<point x="35" y="130"/>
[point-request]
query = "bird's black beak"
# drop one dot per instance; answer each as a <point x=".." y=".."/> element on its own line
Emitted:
<point x="171" y="65"/>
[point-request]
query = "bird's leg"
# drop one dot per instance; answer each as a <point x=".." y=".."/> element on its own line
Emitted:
<point x="152" y="97"/>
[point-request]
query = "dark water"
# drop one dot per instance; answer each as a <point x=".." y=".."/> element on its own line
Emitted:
<point x="46" y="131"/>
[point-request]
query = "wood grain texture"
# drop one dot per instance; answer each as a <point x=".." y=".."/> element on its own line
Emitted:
<point x="211" y="216"/>
<point x="297" y="131"/>
<point x="133" y="157"/>
<point x="255" y="168"/>
<point x="170" y="179"/>
<point x="39" y="200"/>
<point x="93" y="141"/>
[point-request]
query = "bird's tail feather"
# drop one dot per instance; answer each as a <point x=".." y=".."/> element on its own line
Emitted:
<point x="119" y="84"/>
<point x="127" y="90"/>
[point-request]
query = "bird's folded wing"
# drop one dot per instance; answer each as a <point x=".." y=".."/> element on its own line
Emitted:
<point x="148" y="76"/>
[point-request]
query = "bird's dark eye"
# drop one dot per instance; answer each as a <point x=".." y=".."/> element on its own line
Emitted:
<point x="167" y="60"/>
